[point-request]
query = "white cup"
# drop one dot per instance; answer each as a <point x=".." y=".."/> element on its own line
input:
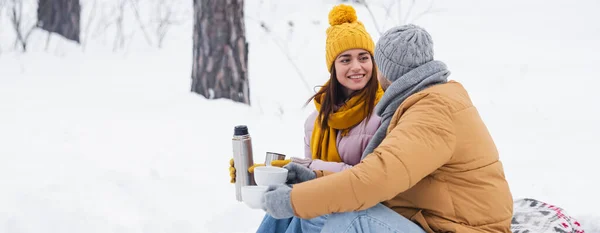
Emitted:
<point x="253" y="195"/>
<point x="265" y="176"/>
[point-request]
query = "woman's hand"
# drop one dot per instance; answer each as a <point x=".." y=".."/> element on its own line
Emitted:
<point x="275" y="163"/>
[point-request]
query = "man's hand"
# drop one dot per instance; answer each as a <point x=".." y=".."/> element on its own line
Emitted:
<point x="277" y="203"/>
<point x="298" y="173"/>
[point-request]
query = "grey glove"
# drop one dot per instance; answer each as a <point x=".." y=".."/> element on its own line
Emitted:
<point x="277" y="203"/>
<point x="298" y="173"/>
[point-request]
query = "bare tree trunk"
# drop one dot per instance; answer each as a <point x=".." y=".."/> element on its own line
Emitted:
<point x="61" y="17"/>
<point x="220" y="50"/>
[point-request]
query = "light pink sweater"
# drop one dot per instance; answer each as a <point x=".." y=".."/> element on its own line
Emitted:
<point x="349" y="147"/>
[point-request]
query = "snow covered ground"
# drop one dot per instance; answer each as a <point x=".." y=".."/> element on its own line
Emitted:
<point x="96" y="141"/>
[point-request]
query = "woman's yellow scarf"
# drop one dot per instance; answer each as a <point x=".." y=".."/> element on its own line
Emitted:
<point x="350" y="114"/>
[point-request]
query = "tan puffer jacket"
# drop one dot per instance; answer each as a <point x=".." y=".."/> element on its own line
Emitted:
<point x="437" y="166"/>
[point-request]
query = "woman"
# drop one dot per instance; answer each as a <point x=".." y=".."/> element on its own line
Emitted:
<point x="337" y="133"/>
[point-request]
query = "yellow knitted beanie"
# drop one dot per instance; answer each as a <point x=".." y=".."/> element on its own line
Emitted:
<point x="345" y="32"/>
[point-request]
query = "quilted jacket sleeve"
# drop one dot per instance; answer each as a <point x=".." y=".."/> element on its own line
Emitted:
<point x="420" y="140"/>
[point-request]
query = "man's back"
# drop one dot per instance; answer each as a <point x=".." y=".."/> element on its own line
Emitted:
<point x="469" y="193"/>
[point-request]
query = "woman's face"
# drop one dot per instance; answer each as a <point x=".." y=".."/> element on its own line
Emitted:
<point x="354" y="69"/>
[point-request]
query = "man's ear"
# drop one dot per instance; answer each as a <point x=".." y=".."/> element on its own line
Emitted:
<point x="383" y="81"/>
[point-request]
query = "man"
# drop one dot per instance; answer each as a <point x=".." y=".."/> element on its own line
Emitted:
<point x="432" y="161"/>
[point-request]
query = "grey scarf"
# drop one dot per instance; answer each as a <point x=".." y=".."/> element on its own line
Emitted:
<point x="426" y="75"/>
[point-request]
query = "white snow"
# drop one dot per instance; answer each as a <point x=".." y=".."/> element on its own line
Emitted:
<point x="98" y="140"/>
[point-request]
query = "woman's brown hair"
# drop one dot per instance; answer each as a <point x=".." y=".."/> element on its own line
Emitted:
<point x="333" y="95"/>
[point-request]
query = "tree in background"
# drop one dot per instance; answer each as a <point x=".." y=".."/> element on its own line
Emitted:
<point x="61" y="17"/>
<point x="220" y="50"/>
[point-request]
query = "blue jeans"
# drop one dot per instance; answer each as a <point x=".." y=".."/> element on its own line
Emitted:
<point x="378" y="218"/>
<point x="290" y="225"/>
<point x="375" y="219"/>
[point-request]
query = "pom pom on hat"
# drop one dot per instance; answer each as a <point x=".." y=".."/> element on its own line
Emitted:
<point x="342" y="14"/>
<point x="345" y="32"/>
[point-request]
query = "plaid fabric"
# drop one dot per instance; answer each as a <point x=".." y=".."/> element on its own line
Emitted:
<point x="534" y="216"/>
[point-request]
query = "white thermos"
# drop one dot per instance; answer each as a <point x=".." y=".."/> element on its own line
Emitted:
<point x="242" y="158"/>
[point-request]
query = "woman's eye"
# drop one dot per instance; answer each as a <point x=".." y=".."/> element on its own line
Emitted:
<point x="345" y="60"/>
<point x="364" y="58"/>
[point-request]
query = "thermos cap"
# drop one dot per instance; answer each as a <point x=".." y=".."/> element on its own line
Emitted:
<point x="240" y="130"/>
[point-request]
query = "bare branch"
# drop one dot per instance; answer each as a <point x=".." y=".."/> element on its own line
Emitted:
<point x="364" y="2"/>
<point x="400" y="12"/>
<point x="88" y="25"/>
<point x="134" y="5"/>
<point x="48" y="41"/>
<point x="164" y="19"/>
<point x="288" y="56"/>
<point x="28" y="33"/>
<point x="119" y="41"/>
<point x="410" y="9"/>
<point x="388" y="8"/>
<point x="16" y="18"/>
<point x="2" y="3"/>
<point x="429" y="10"/>
<point x="108" y="17"/>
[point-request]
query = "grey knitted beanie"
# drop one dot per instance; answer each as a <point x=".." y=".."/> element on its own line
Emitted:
<point x="401" y="49"/>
